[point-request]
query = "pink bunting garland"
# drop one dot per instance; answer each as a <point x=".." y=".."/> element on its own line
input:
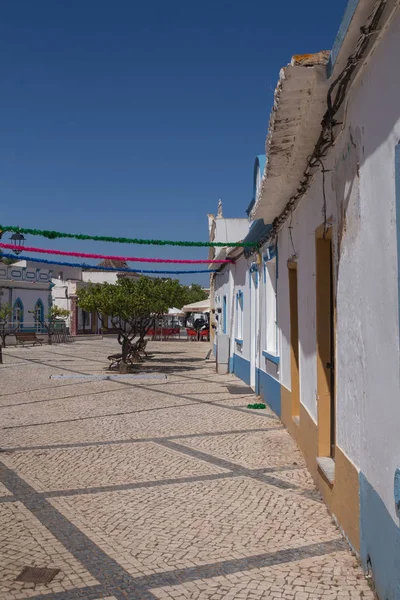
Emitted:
<point x="102" y="256"/>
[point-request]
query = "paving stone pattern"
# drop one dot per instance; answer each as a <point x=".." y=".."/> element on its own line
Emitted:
<point x="152" y="489"/>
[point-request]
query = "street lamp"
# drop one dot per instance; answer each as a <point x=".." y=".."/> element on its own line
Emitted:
<point x="18" y="240"/>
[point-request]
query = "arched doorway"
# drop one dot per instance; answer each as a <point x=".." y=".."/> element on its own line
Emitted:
<point x="18" y="314"/>
<point x="39" y="316"/>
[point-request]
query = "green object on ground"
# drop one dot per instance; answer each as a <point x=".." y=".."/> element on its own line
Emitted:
<point x="259" y="405"/>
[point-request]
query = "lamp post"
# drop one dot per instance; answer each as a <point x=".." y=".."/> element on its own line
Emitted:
<point x="18" y="240"/>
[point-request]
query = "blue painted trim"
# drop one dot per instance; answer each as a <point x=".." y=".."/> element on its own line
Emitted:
<point x="397" y="489"/>
<point x="39" y="305"/>
<point x="18" y="303"/>
<point x="379" y="541"/>
<point x="397" y="193"/>
<point x="250" y="207"/>
<point x="257" y="383"/>
<point x="239" y="342"/>
<point x="224" y="314"/>
<point x="271" y="357"/>
<point x="272" y="254"/>
<point x="341" y="34"/>
<point x="215" y="349"/>
<point x="259" y="164"/>
<point x="269" y="389"/>
<point x="241" y="368"/>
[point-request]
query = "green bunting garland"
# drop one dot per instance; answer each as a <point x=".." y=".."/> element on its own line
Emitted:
<point x="52" y="235"/>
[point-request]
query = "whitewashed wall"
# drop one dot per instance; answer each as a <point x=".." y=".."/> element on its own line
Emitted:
<point x="360" y="195"/>
<point x="370" y="255"/>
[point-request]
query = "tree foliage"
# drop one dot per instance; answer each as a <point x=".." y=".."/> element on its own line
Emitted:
<point x="6" y="327"/>
<point x="192" y="293"/>
<point x="133" y="304"/>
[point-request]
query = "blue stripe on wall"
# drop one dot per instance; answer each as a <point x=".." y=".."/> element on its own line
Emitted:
<point x="215" y="349"/>
<point x="341" y="34"/>
<point x="269" y="389"/>
<point x="379" y="540"/>
<point x="241" y="368"/>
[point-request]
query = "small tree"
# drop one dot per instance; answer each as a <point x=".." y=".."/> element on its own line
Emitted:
<point x="132" y="305"/>
<point x="5" y="326"/>
<point x="49" y="320"/>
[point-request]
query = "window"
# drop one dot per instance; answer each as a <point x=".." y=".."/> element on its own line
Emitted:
<point x="271" y="312"/>
<point x="224" y="315"/>
<point x="39" y="315"/>
<point x="18" y="313"/>
<point x="239" y="316"/>
<point x="258" y="183"/>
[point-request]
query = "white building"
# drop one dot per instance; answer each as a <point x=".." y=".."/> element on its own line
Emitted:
<point x="25" y="290"/>
<point x="315" y="323"/>
<point x="65" y="283"/>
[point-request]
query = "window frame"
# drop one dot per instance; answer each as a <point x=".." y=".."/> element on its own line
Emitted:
<point x="239" y="318"/>
<point x="271" y="336"/>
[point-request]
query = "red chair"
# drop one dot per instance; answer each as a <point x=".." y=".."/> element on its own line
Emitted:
<point x="205" y="335"/>
<point x="192" y="334"/>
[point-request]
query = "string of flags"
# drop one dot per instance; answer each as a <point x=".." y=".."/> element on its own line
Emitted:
<point x="17" y="245"/>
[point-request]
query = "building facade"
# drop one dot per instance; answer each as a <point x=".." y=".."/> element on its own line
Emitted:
<point x="65" y="281"/>
<point x="25" y="290"/>
<point x="312" y="311"/>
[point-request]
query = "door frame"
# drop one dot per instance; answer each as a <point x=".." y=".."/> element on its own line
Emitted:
<point x="294" y="340"/>
<point x="254" y="327"/>
<point x="326" y="343"/>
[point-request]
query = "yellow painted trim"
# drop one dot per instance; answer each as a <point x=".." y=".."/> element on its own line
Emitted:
<point x="323" y="308"/>
<point x="342" y="499"/>
<point x="294" y="342"/>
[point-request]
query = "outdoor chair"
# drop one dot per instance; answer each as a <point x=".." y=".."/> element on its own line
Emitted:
<point x="205" y="335"/>
<point x="192" y="334"/>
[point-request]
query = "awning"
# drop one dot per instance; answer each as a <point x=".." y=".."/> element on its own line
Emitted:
<point x="175" y="312"/>
<point x="198" y="307"/>
<point x="257" y="232"/>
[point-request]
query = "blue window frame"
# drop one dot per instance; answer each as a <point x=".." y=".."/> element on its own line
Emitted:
<point x="18" y="313"/>
<point x="224" y="328"/>
<point x="39" y="315"/>
<point x="239" y="317"/>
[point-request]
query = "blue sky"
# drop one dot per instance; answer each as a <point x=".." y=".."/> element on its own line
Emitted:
<point x="132" y="119"/>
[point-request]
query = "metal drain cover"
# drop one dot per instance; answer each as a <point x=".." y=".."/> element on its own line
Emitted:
<point x="37" y="575"/>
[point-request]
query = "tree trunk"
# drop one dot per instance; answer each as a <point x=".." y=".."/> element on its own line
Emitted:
<point x="1" y="354"/>
<point x="123" y="367"/>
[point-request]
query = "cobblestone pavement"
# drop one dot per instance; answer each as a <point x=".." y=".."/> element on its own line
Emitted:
<point x="156" y="489"/>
